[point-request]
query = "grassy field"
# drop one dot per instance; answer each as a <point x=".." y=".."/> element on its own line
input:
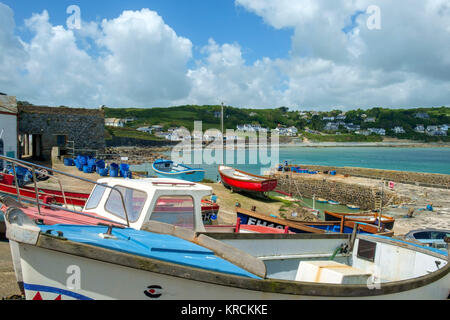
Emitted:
<point x="342" y="138"/>
<point x="129" y="133"/>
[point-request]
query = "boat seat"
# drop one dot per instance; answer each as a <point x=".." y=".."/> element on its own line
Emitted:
<point x="330" y="272"/>
<point x="225" y="251"/>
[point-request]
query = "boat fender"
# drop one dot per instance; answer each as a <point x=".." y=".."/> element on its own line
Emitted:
<point x="10" y="202"/>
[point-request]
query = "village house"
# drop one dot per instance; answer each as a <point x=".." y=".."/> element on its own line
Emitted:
<point x="370" y="120"/>
<point x="379" y="131"/>
<point x="352" y="127"/>
<point x="398" y="130"/>
<point x="331" y="126"/>
<point x="145" y="129"/>
<point x="419" y="128"/>
<point x="114" y="122"/>
<point x="8" y="127"/>
<point x="422" y="115"/>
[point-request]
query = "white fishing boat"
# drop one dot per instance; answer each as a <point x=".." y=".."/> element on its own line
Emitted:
<point x="170" y="262"/>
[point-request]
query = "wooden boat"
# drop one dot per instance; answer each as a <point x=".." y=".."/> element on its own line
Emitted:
<point x="242" y="181"/>
<point x="170" y="169"/>
<point x="321" y="200"/>
<point x="371" y="218"/>
<point x="353" y="207"/>
<point x="169" y="262"/>
<point x="333" y="202"/>
<point x="320" y="227"/>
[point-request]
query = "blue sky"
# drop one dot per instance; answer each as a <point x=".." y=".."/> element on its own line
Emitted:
<point x="303" y="54"/>
<point x="197" y="20"/>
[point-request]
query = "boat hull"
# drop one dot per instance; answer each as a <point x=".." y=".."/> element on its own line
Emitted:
<point x="53" y="275"/>
<point x="192" y="176"/>
<point x="386" y="222"/>
<point x="265" y="185"/>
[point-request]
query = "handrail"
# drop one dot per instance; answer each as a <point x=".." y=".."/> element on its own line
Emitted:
<point x="33" y="167"/>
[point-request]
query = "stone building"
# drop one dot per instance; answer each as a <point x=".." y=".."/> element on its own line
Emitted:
<point x="8" y="127"/>
<point x="71" y="129"/>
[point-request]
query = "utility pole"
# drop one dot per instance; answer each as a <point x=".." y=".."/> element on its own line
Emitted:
<point x="223" y="137"/>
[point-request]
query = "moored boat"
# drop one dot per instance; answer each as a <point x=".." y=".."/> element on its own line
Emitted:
<point x="371" y="218"/>
<point x="170" y="169"/>
<point x="321" y="200"/>
<point x="243" y="181"/>
<point x="353" y="207"/>
<point x="333" y="202"/>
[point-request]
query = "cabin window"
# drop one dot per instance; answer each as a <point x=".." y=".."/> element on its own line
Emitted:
<point x="175" y="210"/>
<point x="366" y="250"/>
<point x="134" y="202"/>
<point x="95" y="197"/>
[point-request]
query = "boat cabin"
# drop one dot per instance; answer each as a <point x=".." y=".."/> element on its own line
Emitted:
<point x="171" y="201"/>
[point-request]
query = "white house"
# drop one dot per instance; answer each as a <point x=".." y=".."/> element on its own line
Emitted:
<point x="371" y="119"/>
<point x="8" y="127"/>
<point x="419" y="128"/>
<point x="379" y="131"/>
<point x="145" y="129"/>
<point x="398" y="130"/>
<point x="113" y="122"/>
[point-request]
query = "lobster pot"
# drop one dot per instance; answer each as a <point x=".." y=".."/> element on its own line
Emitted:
<point x="103" y="172"/>
<point x="114" y="170"/>
<point x="124" y="170"/>
<point x="68" y="162"/>
<point x="87" y="169"/>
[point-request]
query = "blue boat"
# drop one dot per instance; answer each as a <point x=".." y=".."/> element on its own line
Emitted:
<point x="170" y="169"/>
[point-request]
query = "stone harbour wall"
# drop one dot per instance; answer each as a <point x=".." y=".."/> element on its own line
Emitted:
<point x="345" y="193"/>
<point x="423" y="179"/>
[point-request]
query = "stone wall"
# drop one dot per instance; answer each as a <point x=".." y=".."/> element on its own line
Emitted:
<point x="345" y="193"/>
<point x="424" y="179"/>
<point x="83" y="126"/>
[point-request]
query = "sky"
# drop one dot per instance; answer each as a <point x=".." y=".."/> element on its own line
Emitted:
<point x="303" y="54"/>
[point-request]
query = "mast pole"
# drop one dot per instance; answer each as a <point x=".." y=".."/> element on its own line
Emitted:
<point x="223" y="136"/>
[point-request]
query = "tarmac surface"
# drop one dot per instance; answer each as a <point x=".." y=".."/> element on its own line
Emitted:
<point x="8" y="284"/>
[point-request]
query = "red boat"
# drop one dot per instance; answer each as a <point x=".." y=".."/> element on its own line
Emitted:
<point x="242" y="181"/>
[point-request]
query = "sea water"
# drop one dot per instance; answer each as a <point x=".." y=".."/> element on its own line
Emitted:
<point x="429" y="160"/>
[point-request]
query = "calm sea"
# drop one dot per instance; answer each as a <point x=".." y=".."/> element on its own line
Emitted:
<point x="431" y="160"/>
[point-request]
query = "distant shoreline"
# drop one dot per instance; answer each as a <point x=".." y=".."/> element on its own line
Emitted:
<point x="346" y="145"/>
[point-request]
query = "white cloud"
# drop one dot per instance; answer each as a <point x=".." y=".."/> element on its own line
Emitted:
<point x="138" y="60"/>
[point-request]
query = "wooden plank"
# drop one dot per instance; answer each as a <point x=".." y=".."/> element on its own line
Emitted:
<point x="279" y="221"/>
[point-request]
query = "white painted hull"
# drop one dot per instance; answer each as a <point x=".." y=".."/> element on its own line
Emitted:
<point x="49" y="273"/>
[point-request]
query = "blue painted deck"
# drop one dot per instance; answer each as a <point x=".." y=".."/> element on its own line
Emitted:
<point x="151" y="245"/>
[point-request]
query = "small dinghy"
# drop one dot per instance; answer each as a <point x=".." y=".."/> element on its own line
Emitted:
<point x="170" y="169"/>
<point x="353" y="207"/>
<point x="243" y="181"/>
<point x="333" y="202"/>
<point x="321" y="200"/>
